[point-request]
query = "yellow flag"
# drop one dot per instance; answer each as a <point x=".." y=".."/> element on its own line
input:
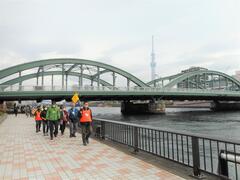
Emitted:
<point x="75" y="98"/>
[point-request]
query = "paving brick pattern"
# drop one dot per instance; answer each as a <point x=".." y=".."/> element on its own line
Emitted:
<point x="25" y="154"/>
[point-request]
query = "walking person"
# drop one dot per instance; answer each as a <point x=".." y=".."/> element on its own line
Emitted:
<point x="53" y="115"/>
<point x="15" y="109"/>
<point x="28" y="110"/>
<point x="63" y="119"/>
<point x="45" y="122"/>
<point x="33" y="111"/>
<point x="25" y="110"/>
<point x="86" y="123"/>
<point x="38" y="119"/>
<point x="73" y="116"/>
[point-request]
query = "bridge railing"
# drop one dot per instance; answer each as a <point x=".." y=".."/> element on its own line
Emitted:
<point x="7" y="88"/>
<point x="196" y="151"/>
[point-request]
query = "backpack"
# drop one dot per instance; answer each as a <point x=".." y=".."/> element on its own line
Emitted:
<point x="72" y="116"/>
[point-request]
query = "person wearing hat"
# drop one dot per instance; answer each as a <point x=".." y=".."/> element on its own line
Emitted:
<point x="53" y="115"/>
<point x="63" y="118"/>
<point x="45" y="122"/>
<point x="73" y="118"/>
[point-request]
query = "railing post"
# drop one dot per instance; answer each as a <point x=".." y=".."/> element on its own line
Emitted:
<point x="102" y="129"/>
<point x="135" y="134"/>
<point x="222" y="164"/>
<point x="196" y="157"/>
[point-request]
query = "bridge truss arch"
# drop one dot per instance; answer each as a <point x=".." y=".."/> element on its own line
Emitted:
<point x="66" y="67"/>
<point x="201" y="79"/>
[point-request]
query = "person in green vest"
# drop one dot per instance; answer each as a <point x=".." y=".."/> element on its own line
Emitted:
<point x="53" y="115"/>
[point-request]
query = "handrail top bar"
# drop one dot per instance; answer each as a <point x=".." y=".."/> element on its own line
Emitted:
<point x="229" y="152"/>
<point x="197" y="135"/>
<point x="230" y="157"/>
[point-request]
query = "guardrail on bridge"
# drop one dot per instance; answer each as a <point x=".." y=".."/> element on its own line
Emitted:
<point x="13" y="88"/>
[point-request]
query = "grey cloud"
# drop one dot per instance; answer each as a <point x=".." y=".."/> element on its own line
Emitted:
<point x="227" y="51"/>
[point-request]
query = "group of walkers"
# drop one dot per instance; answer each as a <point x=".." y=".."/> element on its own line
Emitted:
<point x="54" y="118"/>
<point x="25" y="109"/>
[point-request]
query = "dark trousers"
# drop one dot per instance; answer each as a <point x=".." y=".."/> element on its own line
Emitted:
<point x="73" y="127"/>
<point x="45" y="126"/>
<point x="38" y="126"/>
<point x="53" y="127"/>
<point x="62" y="126"/>
<point x="86" y="131"/>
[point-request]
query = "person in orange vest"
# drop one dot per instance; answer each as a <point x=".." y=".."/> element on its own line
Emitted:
<point x="86" y="122"/>
<point x="38" y="119"/>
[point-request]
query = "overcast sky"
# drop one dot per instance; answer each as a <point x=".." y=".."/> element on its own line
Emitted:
<point x="187" y="33"/>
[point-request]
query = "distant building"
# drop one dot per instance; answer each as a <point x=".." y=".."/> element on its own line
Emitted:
<point x="191" y="69"/>
<point x="237" y="75"/>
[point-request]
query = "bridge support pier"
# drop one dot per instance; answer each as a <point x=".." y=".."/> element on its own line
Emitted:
<point x="151" y="107"/>
<point x="225" y="105"/>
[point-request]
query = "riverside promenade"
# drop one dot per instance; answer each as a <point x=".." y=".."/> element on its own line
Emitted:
<point x="25" y="154"/>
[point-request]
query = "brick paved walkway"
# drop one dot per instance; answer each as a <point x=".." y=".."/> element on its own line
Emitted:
<point x="25" y="154"/>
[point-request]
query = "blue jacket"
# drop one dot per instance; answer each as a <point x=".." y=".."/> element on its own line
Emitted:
<point x="73" y="115"/>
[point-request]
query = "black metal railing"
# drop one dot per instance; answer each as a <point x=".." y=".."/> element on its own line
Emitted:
<point x="196" y="151"/>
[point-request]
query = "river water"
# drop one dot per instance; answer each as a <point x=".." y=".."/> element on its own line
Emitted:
<point x="200" y="121"/>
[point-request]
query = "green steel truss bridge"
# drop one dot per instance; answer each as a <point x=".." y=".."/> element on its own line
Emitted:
<point x="98" y="81"/>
